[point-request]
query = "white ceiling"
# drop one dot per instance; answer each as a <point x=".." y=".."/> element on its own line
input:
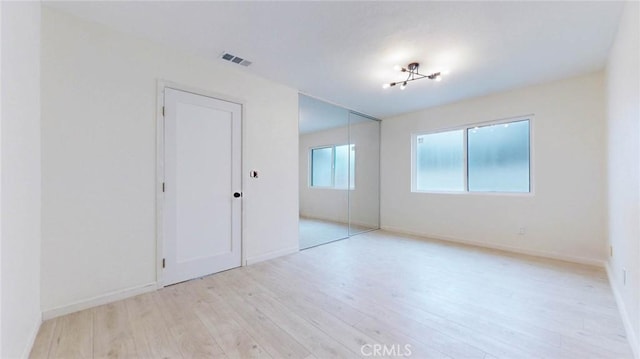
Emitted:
<point x="344" y="51"/>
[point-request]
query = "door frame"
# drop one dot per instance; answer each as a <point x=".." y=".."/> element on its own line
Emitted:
<point x="160" y="200"/>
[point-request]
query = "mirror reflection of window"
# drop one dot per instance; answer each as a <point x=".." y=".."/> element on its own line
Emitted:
<point x="322" y="167"/>
<point x="331" y="167"/>
<point x="339" y="153"/>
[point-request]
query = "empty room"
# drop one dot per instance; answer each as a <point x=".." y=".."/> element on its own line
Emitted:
<point x="319" y="179"/>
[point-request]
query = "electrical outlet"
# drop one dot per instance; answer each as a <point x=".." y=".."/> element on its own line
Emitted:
<point x="522" y="231"/>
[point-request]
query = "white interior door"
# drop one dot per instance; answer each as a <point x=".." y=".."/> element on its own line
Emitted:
<point x="202" y="217"/>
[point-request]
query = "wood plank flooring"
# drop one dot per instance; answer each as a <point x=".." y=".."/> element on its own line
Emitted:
<point x="347" y="298"/>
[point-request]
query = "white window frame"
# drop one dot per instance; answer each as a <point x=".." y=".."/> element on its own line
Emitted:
<point x="465" y="128"/>
<point x="333" y="168"/>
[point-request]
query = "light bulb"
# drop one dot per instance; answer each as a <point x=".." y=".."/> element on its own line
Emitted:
<point x="386" y="86"/>
<point x="397" y="68"/>
<point x="403" y="86"/>
<point x="438" y="78"/>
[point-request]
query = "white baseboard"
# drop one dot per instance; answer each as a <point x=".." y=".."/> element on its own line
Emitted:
<point x="562" y="257"/>
<point x="131" y="292"/>
<point x="271" y="255"/>
<point x="98" y="300"/>
<point x="32" y="338"/>
<point x="626" y="321"/>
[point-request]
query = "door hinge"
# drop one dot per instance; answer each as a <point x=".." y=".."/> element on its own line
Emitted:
<point x="163" y="262"/>
<point x="162" y="111"/>
<point x="162" y="186"/>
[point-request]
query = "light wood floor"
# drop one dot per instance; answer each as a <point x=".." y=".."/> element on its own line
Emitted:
<point x="444" y="300"/>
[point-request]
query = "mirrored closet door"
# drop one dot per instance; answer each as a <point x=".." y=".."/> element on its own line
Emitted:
<point x="339" y="172"/>
<point x="364" y="195"/>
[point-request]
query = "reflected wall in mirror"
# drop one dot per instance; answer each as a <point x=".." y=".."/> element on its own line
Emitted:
<point x="364" y="198"/>
<point x="339" y="172"/>
<point x="324" y="172"/>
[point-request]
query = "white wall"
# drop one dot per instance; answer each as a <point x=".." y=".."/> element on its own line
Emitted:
<point x="623" y="110"/>
<point x="565" y="217"/>
<point x="99" y="158"/>
<point x="0" y="179"/>
<point x="20" y="203"/>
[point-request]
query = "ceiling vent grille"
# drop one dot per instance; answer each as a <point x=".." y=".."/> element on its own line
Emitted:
<point x="235" y="59"/>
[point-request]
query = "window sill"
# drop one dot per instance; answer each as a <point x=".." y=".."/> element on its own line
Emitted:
<point x="506" y="194"/>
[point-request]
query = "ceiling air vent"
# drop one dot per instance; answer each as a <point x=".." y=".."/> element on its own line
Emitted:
<point x="235" y="59"/>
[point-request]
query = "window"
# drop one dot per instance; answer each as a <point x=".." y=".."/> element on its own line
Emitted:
<point x="440" y="161"/>
<point x="489" y="158"/>
<point x="499" y="157"/>
<point x="333" y="166"/>
<point x="322" y="167"/>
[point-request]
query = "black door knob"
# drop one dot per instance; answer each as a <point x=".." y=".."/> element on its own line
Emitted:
<point x="237" y="194"/>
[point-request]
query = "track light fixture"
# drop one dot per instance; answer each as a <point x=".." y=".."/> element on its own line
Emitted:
<point x="413" y="74"/>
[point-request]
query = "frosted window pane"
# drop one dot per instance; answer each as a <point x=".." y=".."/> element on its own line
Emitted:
<point x="321" y="161"/>
<point x="342" y="166"/>
<point x="440" y="161"/>
<point x="499" y="157"/>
